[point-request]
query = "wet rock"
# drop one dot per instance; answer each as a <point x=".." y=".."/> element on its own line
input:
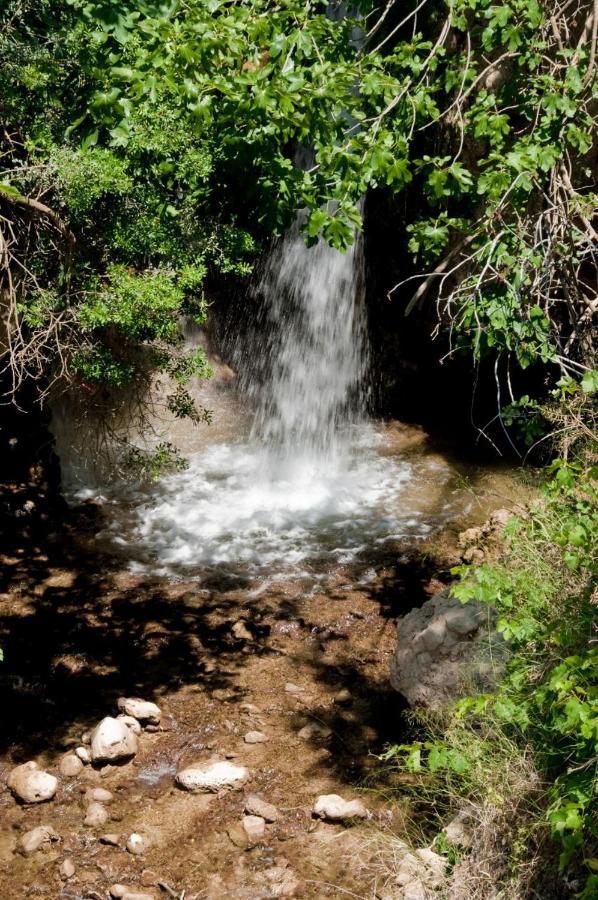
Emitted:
<point x="110" y="840"/>
<point x="70" y="765"/>
<point x="255" y="737"/>
<point x="143" y="710"/>
<point x="96" y="815"/>
<point x="255" y="806"/>
<point x="333" y="808"/>
<point x="211" y="777"/>
<point x="112" y="741"/>
<point x="32" y="785"/>
<point x="98" y="795"/>
<point x="137" y="844"/>
<point x="66" y="869"/>
<point x="131" y="723"/>
<point x="254" y="827"/>
<point x="34" y="840"/>
<point x="314" y="730"/>
<point x="84" y="755"/>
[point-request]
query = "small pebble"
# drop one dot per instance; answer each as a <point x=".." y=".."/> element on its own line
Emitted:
<point x="255" y="806"/>
<point x="67" y="869"/>
<point x="99" y="795"/>
<point x="70" y="765"/>
<point x="291" y="688"/>
<point x="111" y="840"/>
<point x="137" y="844"/>
<point x="96" y="815"/>
<point x="255" y="737"/>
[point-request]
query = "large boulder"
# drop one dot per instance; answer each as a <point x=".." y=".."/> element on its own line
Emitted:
<point x="112" y="741"/>
<point x="446" y="649"/>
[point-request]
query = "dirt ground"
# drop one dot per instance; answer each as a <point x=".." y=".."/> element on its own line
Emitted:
<point x="78" y="632"/>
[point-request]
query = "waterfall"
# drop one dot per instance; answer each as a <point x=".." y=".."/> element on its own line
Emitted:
<point x="313" y="347"/>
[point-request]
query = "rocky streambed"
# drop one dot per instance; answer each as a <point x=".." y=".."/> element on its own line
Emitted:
<point x="205" y="739"/>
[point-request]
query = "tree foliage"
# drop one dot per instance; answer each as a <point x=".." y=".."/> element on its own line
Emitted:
<point x="159" y="141"/>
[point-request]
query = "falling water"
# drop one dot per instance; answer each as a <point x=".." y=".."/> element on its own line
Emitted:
<point x="312" y="347"/>
<point x="310" y="484"/>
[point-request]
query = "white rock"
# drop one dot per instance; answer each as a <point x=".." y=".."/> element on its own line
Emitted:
<point x="96" y="815"/>
<point x="211" y="776"/>
<point x="143" y="710"/>
<point x="255" y="806"/>
<point x="137" y="844"/>
<point x="135" y="895"/>
<point x="98" y="795"/>
<point x="32" y="785"/>
<point x="111" y="740"/>
<point x="66" y="869"/>
<point x="70" y="766"/>
<point x="255" y="737"/>
<point x="291" y="688"/>
<point x="130" y="722"/>
<point x="335" y="809"/>
<point x="84" y="755"/>
<point x="254" y="827"/>
<point x="36" y="838"/>
<point x="117" y="890"/>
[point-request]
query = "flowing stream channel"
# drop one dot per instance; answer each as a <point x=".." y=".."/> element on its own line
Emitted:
<point x="298" y="480"/>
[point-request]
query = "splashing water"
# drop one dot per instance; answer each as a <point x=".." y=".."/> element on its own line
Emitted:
<point x="312" y="485"/>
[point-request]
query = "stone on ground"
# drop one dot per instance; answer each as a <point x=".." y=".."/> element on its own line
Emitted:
<point x="142" y="710"/>
<point x="66" y="869"/>
<point x="333" y="808"/>
<point x="255" y="737"/>
<point x="211" y="777"/>
<point x="83" y="754"/>
<point x="31" y="784"/>
<point x="99" y="795"/>
<point x="96" y="815"/>
<point x="112" y="741"/>
<point x="314" y="730"/>
<point x="254" y="827"/>
<point x="131" y="722"/>
<point x="38" y="837"/>
<point x="70" y="765"/>
<point x="137" y="844"/>
<point x="255" y="806"/>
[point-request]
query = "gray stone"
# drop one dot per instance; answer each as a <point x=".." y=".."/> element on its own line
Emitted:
<point x="111" y="840"/>
<point x="255" y="806"/>
<point x="112" y="741"/>
<point x="254" y="827"/>
<point x="414" y="890"/>
<point x="314" y="730"/>
<point x="255" y="737"/>
<point x="444" y="651"/>
<point x="137" y="844"/>
<point x="37" y="838"/>
<point x="66" y="869"/>
<point x="98" y="795"/>
<point x="333" y="808"/>
<point x="96" y="815"/>
<point x="70" y="766"/>
<point x="31" y="784"/>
